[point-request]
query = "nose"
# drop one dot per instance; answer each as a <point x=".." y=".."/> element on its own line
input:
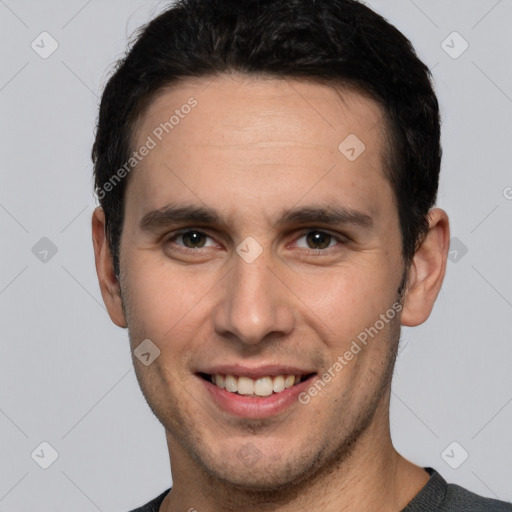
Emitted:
<point x="255" y="304"/>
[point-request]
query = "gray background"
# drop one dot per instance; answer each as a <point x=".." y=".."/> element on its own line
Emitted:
<point x="65" y="370"/>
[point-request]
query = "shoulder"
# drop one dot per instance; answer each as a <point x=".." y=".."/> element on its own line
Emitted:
<point x="439" y="496"/>
<point x="153" y="505"/>
<point x="457" y="498"/>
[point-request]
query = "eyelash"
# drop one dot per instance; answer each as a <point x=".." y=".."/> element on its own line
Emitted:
<point x="337" y="238"/>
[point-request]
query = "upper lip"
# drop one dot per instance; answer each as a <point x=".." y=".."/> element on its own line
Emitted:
<point x="255" y="372"/>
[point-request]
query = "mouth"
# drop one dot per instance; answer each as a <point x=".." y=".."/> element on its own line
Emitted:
<point x="254" y="392"/>
<point x="264" y="386"/>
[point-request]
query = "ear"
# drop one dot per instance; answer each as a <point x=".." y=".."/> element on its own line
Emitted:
<point x="109" y="285"/>
<point x="427" y="270"/>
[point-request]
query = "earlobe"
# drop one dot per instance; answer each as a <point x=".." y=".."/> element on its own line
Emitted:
<point x="427" y="270"/>
<point x="107" y="280"/>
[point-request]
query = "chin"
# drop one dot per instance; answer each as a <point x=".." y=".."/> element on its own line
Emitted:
<point x="257" y="470"/>
<point x="255" y="479"/>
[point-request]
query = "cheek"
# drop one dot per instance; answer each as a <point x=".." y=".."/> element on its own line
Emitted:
<point x="165" y="306"/>
<point x="345" y="301"/>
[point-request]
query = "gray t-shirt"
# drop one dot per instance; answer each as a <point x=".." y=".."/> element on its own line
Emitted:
<point x="435" y="496"/>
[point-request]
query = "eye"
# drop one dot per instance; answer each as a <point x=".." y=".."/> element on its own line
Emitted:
<point x="191" y="239"/>
<point x="318" y="240"/>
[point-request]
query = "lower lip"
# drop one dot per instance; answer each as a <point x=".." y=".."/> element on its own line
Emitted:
<point x="255" y="408"/>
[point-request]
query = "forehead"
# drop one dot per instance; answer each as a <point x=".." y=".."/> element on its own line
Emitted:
<point x="257" y="103"/>
<point x="262" y="137"/>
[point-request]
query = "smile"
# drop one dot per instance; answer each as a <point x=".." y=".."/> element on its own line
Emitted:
<point x="257" y="397"/>
<point x="261" y="387"/>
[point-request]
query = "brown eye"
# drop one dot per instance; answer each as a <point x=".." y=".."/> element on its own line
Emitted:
<point x="193" y="239"/>
<point x="318" y="240"/>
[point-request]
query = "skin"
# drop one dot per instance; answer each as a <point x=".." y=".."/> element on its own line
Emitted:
<point x="252" y="149"/>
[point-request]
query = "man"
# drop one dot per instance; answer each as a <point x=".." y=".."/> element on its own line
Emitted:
<point x="267" y="172"/>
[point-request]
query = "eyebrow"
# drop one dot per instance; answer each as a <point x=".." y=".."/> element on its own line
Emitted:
<point x="330" y="215"/>
<point x="172" y="214"/>
<point x="326" y="215"/>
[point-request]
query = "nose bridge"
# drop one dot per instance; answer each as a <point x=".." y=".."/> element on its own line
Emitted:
<point x="254" y="302"/>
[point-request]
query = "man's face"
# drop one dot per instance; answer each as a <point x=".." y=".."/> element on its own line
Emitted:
<point x="295" y="295"/>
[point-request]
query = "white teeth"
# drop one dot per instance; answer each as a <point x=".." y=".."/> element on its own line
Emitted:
<point x="278" y="384"/>
<point x="245" y="386"/>
<point x="231" y="384"/>
<point x="290" y="381"/>
<point x="264" y="386"/>
<point x="219" y="381"/>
